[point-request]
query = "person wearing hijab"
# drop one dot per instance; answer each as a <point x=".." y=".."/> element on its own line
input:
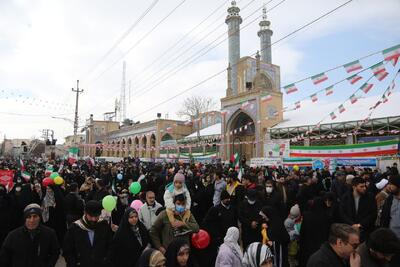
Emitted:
<point x="178" y="254"/>
<point x="230" y="254"/>
<point x="129" y="241"/>
<point x="276" y="235"/>
<point x="258" y="255"/>
<point x="151" y="258"/>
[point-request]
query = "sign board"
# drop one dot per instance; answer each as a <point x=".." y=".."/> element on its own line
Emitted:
<point x="318" y="164"/>
<point x="266" y="162"/>
<point x="361" y="162"/>
<point x="277" y="148"/>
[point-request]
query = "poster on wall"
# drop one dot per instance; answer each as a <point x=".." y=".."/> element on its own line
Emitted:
<point x="277" y="148"/>
<point x="259" y="162"/>
<point x="359" y="162"/>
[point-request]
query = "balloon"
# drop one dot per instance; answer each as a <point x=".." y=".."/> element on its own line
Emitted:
<point x="119" y="176"/>
<point x="135" y="188"/>
<point x="136" y="204"/>
<point x="295" y="168"/>
<point x="201" y="239"/>
<point x="58" y="180"/>
<point x="54" y="175"/>
<point x="47" y="181"/>
<point x="109" y="203"/>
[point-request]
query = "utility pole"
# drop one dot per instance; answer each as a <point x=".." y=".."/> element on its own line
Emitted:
<point x="77" y="91"/>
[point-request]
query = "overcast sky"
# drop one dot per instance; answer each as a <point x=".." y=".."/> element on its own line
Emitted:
<point x="45" y="46"/>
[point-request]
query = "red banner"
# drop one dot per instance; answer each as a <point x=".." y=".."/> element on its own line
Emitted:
<point x="6" y="179"/>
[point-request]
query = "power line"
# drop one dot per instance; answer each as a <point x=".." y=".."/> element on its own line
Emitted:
<point x="122" y="37"/>
<point x="222" y="71"/>
<point x="191" y="59"/>
<point x="139" y="41"/>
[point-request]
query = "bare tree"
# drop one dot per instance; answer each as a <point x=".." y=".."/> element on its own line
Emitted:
<point x="193" y="106"/>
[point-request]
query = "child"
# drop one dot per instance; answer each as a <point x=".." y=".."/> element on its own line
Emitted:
<point x="292" y="225"/>
<point x="171" y="190"/>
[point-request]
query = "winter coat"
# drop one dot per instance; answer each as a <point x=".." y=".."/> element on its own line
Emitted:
<point x="147" y="214"/>
<point x="125" y="249"/>
<point x="162" y="232"/>
<point x="20" y="250"/>
<point x="325" y="257"/>
<point x="247" y="214"/>
<point x="171" y="192"/>
<point x="385" y="215"/>
<point x="366" y="259"/>
<point x="78" y="251"/>
<point x="74" y="206"/>
<point x="226" y="258"/>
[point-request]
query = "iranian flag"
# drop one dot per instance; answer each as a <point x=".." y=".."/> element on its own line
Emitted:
<point x="314" y="97"/>
<point x="319" y="78"/>
<point x="343" y="151"/>
<point x="376" y="105"/>
<point x="21" y="165"/>
<point x="341" y="109"/>
<point x="235" y="159"/>
<point x="291" y="88"/>
<point x="26" y="175"/>
<point x="366" y="87"/>
<point x="384" y="99"/>
<point x="49" y="170"/>
<point x="333" y="116"/>
<point x="379" y="71"/>
<point x="266" y="98"/>
<point x="352" y="66"/>
<point x="353" y="99"/>
<point x="301" y="162"/>
<point x="297" y="104"/>
<point x="245" y="104"/>
<point x="353" y="79"/>
<point x="392" y="54"/>
<point x="73" y="155"/>
<point x="329" y="90"/>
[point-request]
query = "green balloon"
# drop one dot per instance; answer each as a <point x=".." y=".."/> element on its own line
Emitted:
<point x="54" y="175"/>
<point x="109" y="203"/>
<point x="135" y="188"/>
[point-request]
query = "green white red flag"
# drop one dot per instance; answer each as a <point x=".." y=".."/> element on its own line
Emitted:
<point x="297" y="104"/>
<point x="392" y="54"/>
<point x="333" y="116"/>
<point x="314" y="97"/>
<point x="329" y="90"/>
<point x="319" y="78"/>
<point x="49" y="170"/>
<point x="235" y="159"/>
<point x="341" y="109"/>
<point x="266" y="98"/>
<point x="366" y="87"/>
<point x="379" y="71"/>
<point x="26" y="175"/>
<point x="73" y="155"/>
<point x="291" y="88"/>
<point x="352" y="66"/>
<point x="353" y="79"/>
<point x="353" y="99"/>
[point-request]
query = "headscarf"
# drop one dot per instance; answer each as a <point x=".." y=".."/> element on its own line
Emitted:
<point x="125" y="227"/>
<point x="256" y="254"/>
<point x="150" y="258"/>
<point x="231" y="241"/>
<point x="49" y="201"/>
<point x="276" y="228"/>
<point x="173" y="250"/>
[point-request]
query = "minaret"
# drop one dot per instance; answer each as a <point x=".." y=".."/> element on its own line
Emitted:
<point x="229" y="83"/>
<point x="233" y="20"/>
<point x="265" y="38"/>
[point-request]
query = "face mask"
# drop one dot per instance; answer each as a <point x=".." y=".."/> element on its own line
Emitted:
<point x="251" y="202"/>
<point x="180" y="208"/>
<point x="269" y="189"/>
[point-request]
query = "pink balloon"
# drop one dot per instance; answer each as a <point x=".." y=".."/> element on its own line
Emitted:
<point x="136" y="204"/>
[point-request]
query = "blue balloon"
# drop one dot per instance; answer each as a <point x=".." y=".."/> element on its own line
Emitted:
<point x="119" y="176"/>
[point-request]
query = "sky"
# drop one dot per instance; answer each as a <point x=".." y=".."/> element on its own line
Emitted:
<point x="45" y="46"/>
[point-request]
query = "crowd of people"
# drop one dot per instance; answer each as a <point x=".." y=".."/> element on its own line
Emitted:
<point x="253" y="216"/>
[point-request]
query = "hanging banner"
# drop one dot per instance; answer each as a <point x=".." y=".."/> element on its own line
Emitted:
<point x="277" y="148"/>
<point x="360" y="162"/>
<point x="6" y="179"/>
<point x="301" y="162"/>
<point x="356" y="150"/>
<point x="259" y="162"/>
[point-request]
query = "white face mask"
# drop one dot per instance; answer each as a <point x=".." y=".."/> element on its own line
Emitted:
<point x="269" y="189"/>
<point x="251" y="202"/>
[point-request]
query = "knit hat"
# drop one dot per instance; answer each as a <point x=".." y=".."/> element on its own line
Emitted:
<point x="32" y="209"/>
<point x="224" y="195"/>
<point x="384" y="240"/>
<point x="394" y="180"/>
<point x="295" y="211"/>
<point x="179" y="177"/>
<point x="93" y="208"/>
<point x="381" y="184"/>
<point x="349" y="178"/>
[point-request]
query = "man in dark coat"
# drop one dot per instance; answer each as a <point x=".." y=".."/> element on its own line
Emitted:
<point x="31" y="245"/>
<point x="340" y="248"/>
<point x="74" y="204"/>
<point x="249" y="217"/>
<point x="358" y="208"/>
<point x="88" y="240"/>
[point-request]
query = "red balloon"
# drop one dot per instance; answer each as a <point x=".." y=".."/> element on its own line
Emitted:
<point x="201" y="240"/>
<point x="47" y="182"/>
